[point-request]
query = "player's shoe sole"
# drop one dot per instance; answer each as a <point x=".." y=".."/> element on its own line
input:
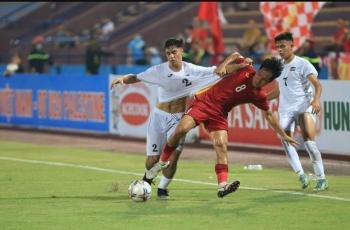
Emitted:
<point x="229" y="189"/>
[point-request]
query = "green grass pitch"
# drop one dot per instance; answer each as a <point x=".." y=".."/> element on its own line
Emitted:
<point x="46" y="187"/>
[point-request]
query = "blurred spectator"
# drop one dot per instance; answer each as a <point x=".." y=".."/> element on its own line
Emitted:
<point x="198" y="54"/>
<point x="63" y="38"/>
<point x="336" y="45"/>
<point x="107" y="26"/>
<point x="237" y="6"/>
<point x="259" y="50"/>
<point x="15" y="66"/>
<point x="153" y="57"/>
<point x="200" y="31"/>
<point x="208" y="46"/>
<point x="346" y="42"/>
<point x="136" y="51"/>
<point x="93" y="57"/>
<point x="332" y="52"/>
<point x="38" y="58"/>
<point x="250" y="37"/>
<point x="132" y="10"/>
<point x="188" y="37"/>
<point x="307" y="51"/>
<point x="38" y="39"/>
<point x="339" y="35"/>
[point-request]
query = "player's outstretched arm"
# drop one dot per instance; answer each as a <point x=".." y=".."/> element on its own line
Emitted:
<point x="221" y="69"/>
<point x="275" y="125"/>
<point x="315" y="103"/>
<point x="127" y="79"/>
<point x="232" y="68"/>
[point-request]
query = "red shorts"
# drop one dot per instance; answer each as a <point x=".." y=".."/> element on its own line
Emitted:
<point x="203" y="112"/>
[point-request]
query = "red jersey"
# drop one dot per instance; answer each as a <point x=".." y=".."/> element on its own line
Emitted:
<point x="233" y="90"/>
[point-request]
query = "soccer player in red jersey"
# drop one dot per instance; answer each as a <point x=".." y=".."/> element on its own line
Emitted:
<point x="211" y="107"/>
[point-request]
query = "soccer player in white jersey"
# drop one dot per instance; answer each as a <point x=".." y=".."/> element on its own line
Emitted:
<point x="299" y="105"/>
<point x="176" y="80"/>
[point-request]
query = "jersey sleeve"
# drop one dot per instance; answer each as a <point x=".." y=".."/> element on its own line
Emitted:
<point x="308" y="69"/>
<point x="150" y="75"/>
<point x="196" y="69"/>
<point x="261" y="101"/>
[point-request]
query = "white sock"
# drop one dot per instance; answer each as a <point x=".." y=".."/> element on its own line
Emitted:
<point x="293" y="158"/>
<point x="316" y="158"/>
<point x="222" y="185"/>
<point x="164" y="182"/>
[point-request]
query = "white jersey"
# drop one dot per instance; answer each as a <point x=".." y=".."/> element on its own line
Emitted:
<point x="295" y="87"/>
<point x="173" y="85"/>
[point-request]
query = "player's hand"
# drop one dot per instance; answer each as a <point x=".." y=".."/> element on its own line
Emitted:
<point x="116" y="82"/>
<point x="248" y="61"/>
<point x="290" y="140"/>
<point x="316" y="106"/>
<point x="221" y="71"/>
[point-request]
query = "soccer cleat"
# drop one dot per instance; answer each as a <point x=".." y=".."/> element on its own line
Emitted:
<point x="304" y="180"/>
<point x="322" y="184"/>
<point x="163" y="194"/>
<point x="149" y="181"/>
<point x="229" y="188"/>
<point x="153" y="172"/>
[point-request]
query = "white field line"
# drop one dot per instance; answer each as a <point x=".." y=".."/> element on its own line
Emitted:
<point x="180" y="180"/>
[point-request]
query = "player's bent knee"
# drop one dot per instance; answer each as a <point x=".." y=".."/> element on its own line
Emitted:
<point x="221" y="144"/>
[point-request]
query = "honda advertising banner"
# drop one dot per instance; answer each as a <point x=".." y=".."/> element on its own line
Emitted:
<point x="130" y="108"/>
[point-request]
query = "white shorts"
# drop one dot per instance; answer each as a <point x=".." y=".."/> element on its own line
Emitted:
<point x="289" y="119"/>
<point x="160" y="127"/>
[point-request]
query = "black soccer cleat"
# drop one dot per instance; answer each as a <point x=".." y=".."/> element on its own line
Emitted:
<point x="149" y="181"/>
<point x="163" y="194"/>
<point x="229" y="189"/>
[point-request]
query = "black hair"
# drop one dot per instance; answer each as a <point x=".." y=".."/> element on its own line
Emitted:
<point x="274" y="65"/>
<point x="288" y="36"/>
<point x="173" y="42"/>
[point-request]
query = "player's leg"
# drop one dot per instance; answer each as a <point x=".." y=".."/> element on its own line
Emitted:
<point x="287" y="122"/>
<point x="219" y="139"/>
<point x="307" y="123"/>
<point x="169" y="172"/>
<point x="156" y="137"/>
<point x="191" y="119"/>
<point x="185" y="125"/>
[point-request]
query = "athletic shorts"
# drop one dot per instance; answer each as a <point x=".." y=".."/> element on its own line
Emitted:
<point x="212" y="119"/>
<point x="160" y="127"/>
<point x="289" y="119"/>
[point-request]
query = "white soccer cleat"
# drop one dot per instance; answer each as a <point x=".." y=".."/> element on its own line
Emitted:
<point x="153" y="172"/>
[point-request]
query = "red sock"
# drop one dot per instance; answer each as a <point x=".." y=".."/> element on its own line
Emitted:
<point x="221" y="171"/>
<point x="167" y="151"/>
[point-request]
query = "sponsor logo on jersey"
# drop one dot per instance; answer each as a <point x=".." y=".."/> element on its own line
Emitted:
<point x="170" y="75"/>
<point x="292" y="68"/>
<point x="135" y="108"/>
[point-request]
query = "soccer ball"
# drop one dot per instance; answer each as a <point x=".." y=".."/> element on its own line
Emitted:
<point x="139" y="191"/>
